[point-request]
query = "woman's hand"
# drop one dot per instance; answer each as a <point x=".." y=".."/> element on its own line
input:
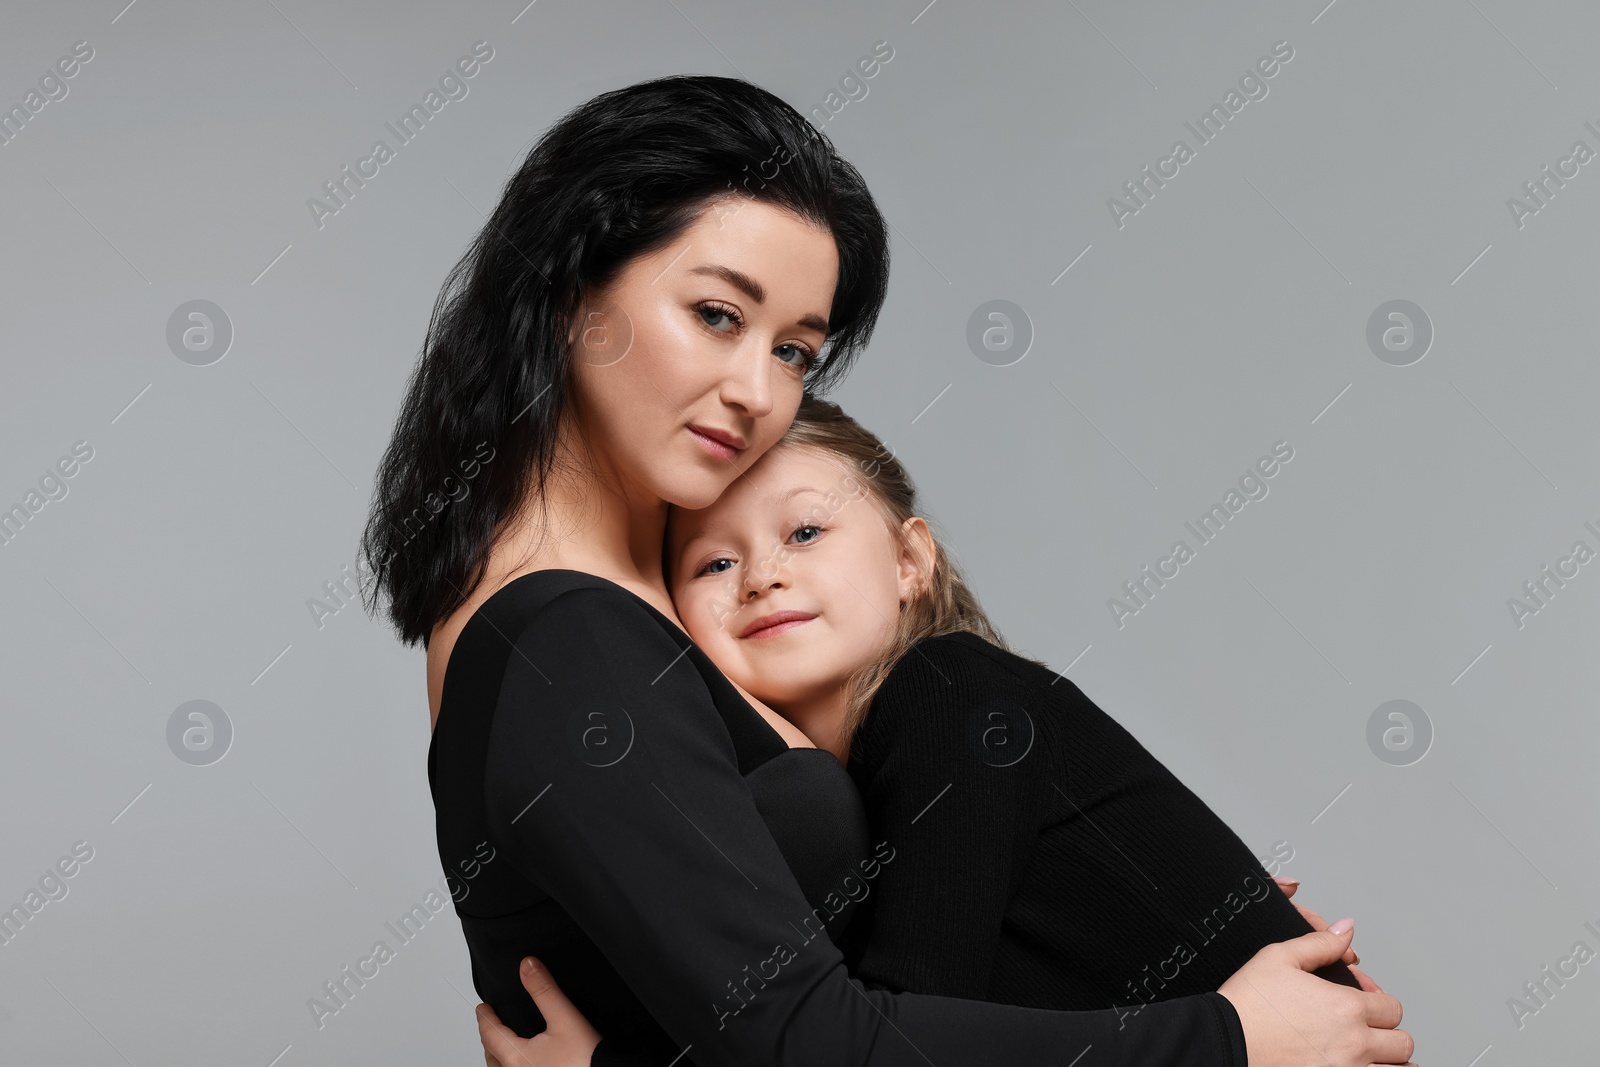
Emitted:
<point x="567" y="1039"/>
<point x="1292" y="1018"/>
<point x="1289" y="885"/>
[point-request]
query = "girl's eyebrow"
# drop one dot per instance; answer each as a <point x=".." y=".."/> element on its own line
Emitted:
<point x="704" y="533"/>
<point x="709" y="528"/>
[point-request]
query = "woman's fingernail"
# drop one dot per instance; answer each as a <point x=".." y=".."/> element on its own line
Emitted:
<point x="527" y="965"/>
<point x="1284" y="879"/>
<point x="1341" y="926"/>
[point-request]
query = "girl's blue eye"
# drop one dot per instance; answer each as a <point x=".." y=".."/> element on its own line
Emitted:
<point x="711" y="567"/>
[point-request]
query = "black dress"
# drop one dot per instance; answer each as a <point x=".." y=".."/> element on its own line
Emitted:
<point x="1042" y="856"/>
<point x="677" y="866"/>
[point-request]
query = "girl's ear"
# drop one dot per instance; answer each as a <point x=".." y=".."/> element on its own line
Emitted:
<point x="917" y="554"/>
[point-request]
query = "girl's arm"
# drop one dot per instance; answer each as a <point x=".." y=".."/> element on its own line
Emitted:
<point x="662" y="858"/>
<point x="957" y="789"/>
<point x="1130" y="869"/>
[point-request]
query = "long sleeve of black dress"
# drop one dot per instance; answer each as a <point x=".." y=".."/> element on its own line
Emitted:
<point x="663" y="860"/>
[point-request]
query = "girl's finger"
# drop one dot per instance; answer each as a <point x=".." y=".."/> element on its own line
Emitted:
<point x="1287" y="884"/>
<point x="497" y="1038"/>
<point x="558" y="1011"/>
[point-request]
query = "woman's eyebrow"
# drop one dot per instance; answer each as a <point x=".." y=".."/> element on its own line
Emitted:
<point x="754" y="290"/>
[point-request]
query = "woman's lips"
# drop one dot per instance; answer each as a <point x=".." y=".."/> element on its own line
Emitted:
<point x="713" y="446"/>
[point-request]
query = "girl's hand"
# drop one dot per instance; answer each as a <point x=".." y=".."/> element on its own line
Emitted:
<point x="567" y="1040"/>
<point x="1289" y="885"/>
<point x="1292" y="1018"/>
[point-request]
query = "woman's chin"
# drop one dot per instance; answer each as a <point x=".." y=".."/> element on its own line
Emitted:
<point x="695" y="494"/>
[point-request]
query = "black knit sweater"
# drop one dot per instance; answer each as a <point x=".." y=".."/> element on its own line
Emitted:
<point x="1042" y="856"/>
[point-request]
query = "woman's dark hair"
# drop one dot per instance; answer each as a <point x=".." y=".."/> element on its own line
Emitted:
<point x="617" y="177"/>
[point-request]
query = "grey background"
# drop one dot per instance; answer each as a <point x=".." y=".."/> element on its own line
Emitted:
<point x="1230" y="313"/>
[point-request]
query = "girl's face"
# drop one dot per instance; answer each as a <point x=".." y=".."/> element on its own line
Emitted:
<point x="712" y="333"/>
<point x="798" y="534"/>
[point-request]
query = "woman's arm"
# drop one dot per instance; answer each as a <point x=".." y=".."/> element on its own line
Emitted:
<point x="663" y="860"/>
<point x="1288" y="1022"/>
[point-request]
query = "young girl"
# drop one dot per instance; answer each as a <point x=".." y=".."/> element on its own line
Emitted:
<point x="1042" y="856"/>
<point x="1029" y="850"/>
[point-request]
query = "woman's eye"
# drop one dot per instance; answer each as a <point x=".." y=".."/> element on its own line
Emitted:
<point x="711" y="312"/>
<point x="807" y="357"/>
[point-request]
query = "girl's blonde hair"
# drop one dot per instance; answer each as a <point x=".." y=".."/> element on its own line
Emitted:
<point x="944" y="604"/>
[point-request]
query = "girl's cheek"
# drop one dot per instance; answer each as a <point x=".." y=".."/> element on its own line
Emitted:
<point x="708" y="615"/>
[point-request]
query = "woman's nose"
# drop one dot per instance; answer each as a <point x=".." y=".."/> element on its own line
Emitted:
<point x="749" y="381"/>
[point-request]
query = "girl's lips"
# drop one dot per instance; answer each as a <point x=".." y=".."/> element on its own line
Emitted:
<point x="782" y="627"/>
<point x="713" y="446"/>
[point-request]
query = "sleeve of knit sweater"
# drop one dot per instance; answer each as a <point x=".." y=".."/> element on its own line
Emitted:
<point x="956" y="777"/>
<point x="950" y="780"/>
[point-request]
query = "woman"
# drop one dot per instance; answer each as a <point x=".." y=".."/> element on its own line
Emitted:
<point x="625" y="335"/>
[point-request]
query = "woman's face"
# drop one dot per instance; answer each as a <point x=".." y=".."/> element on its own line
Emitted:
<point x="712" y="333"/>
<point x="798" y="534"/>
